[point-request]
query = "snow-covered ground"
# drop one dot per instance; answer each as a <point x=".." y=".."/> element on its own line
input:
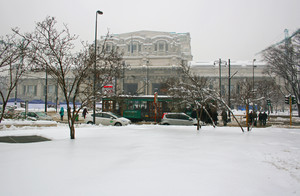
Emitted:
<point x="142" y="160"/>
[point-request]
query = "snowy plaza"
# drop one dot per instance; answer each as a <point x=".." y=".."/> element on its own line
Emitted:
<point x="151" y="160"/>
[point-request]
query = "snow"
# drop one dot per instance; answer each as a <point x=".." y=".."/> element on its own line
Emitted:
<point x="152" y="160"/>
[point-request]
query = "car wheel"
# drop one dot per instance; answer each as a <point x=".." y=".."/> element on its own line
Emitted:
<point x="90" y="122"/>
<point x="118" y="124"/>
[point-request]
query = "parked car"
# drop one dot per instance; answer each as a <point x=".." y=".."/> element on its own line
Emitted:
<point x="107" y="118"/>
<point x="36" y="116"/>
<point x="177" y="119"/>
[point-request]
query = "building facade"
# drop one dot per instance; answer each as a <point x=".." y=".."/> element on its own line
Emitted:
<point x="150" y="58"/>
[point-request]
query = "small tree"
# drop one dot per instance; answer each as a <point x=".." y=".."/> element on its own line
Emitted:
<point x="12" y="66"/>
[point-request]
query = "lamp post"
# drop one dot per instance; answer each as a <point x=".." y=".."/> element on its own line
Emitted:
<point x="253" y="74"/>
<point x="220" y="71"/>
<point x="229" y="86"/>
<point x="94" y="103"/>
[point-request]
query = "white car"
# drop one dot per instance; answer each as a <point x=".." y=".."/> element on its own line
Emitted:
<point x="107" y="118"/>
<point x="177" y="119"/>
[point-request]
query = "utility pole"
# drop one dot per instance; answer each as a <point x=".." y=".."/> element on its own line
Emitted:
<point x="229" y="84"/>
<point x="220" y="74"/>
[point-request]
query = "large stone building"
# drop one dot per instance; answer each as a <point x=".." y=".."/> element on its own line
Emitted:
<point x="151" y="57"/>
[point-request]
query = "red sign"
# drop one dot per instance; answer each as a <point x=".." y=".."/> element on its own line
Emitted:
<point x="108" y="87"/>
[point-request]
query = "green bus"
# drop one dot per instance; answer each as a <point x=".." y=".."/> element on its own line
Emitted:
<point x="141" y="108"/>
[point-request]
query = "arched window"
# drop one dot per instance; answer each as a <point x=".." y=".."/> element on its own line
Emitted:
<point x="134" y="47"/>
<point x="161" y="46"/>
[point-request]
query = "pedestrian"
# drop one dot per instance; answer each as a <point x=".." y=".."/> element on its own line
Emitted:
<point x="61" y="113"/>
<point x="215" y="117"/>
<point x="224" y="117"/>
<point x="264" y="119"/>
<point x="250" y="118"/>
<point x="260" y="118"/>
<point x="254" y="118"/>
<point x="84" y="112"/>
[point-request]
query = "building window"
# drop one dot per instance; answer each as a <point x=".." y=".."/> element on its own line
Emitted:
<point x="130" y="88"/>
<point x="31" y="90"/>
<point x="134" y="47"/>
<point x="109" y="47"/>
<point x="24" y="90"/>
<point x="51" y="89"/>
<point x="161" y="46"/>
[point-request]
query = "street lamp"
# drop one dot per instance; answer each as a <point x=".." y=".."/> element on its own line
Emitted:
<point x="253" y="73"/>
<point x="220" y="83"/>
<point x="94" y="104"/>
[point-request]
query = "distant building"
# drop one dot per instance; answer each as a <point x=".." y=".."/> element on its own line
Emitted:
<point x="151" y="57"/>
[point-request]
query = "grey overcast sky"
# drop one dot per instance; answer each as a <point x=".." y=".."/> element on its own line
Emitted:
<point x="235" y="29"/>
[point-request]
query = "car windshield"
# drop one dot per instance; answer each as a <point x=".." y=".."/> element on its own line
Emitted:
<point x="116" y="115"/>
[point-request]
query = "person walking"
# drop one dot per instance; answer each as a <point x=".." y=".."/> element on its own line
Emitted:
<point x="254" y="118"/>
<point x="84" y="112"/>
<point x="260" y="118"/>
<point x="251" y="118"/>
<point x="224" y="117"/>
<point x="61" y="113"/>
<point x="264" y="118"/>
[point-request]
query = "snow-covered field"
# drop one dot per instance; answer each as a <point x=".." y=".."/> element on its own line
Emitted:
<point x="152" y="160"/>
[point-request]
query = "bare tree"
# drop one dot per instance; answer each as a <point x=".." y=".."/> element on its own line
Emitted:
<point x="283" y="60"/>
<point x="53" y="51"/>
<point x="194" y="89"/>
<point x="268" y="89"/>
<point x="245" y="96"/>
<point x="12" y="66"/>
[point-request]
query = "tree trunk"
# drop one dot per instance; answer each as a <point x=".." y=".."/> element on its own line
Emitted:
<point x="71" y="120"/>
<point x="247" y="116"/>
<point x="199" y="118"/>
<point x="72" y="131"/>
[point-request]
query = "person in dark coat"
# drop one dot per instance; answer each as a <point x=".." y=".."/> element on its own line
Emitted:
<point x="254" y="118"/>
<point x="260" y="118"/>
<point x="264" y="118"/>
<point x="84" y="112"/>
<point x="224" y="117"/>
<point x="215" y="117"/>
<point x="251" y="118"/>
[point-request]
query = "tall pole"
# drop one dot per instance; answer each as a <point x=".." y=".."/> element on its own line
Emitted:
<point x="147" y="77"/>
<point x="253" y="74"/>
<point x="46" y="89"/>
<point x="220" y="75"/>
<point x="94" y="103"/>
<point x="253" y="83"/>
<point x="220" y="82"/>
<point x="229" y="84"/>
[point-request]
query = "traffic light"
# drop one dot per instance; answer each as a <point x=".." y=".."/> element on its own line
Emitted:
<point x="268" y="102"/>
<point x="293" y="100"/>
<point x="287" y="100"/>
